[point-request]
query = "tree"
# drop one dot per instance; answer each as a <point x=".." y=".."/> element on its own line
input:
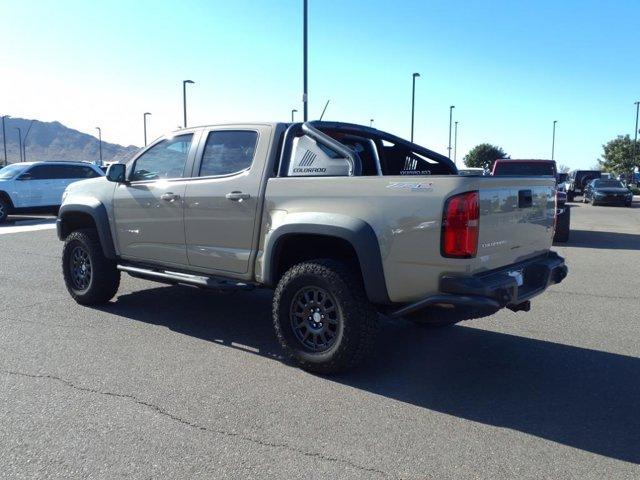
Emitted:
<point x="617" y="156"/>
<point x="483" y="156"/>
<point x="563" y="168"/>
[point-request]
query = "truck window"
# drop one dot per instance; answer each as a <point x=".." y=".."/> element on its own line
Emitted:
<point x="227" y="152"/>
<point x="164" y="160"/>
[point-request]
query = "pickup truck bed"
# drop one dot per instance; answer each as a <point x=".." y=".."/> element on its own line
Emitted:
<point x="343" y="221"/>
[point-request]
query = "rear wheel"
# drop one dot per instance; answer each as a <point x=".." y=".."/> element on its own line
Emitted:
<point x="322" y="318"/>
<point x="4" y="210"/>
<point x="90" y="277"/>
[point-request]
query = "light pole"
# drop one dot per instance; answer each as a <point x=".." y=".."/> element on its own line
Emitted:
<point x="24" y="142"/>
<point x="635" y="141"/>
<point x="4" y="140"/>
<point x="144" y="121"/>
<point x="413" y="102"/>
<point x="100" y="143"/>
<point x="293" y="112"/>
<point x="371" y="122"/>
<point x="19" y="141"/>
<point x="450" y="125"/>
<point x="304" y="60"/>
<point x="455" y="144"/>
<point x="553" y="141"/>
<point x="184" y="99"/>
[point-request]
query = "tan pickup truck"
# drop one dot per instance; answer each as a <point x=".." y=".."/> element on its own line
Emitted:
<point x="345" y="222"/>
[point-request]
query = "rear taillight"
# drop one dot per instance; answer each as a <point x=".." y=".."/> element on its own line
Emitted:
<point x="460" y="225"/>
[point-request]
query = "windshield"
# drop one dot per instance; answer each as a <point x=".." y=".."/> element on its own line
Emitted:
<point x="608" y="184"/>
<point x="524" y="168"/>
<point x="11" y="171"/>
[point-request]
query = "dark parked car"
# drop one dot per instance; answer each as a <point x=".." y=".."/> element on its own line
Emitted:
<point x="578" y="180"/>
<point x="607" y="192"/>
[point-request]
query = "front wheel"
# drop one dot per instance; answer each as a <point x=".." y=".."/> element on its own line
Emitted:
<point x="322" y="318"/>
<point x="90" y="277"/>
<point x="4" y="210"/>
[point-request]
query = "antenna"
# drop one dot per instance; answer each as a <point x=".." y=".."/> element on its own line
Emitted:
<point x="325" y="108"/>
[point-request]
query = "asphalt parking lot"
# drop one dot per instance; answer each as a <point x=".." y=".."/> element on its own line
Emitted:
<point x="171" y="382"/>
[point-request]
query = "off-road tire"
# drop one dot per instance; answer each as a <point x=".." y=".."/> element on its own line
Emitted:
<point x="4" y="210"/>
<point x="358" y="320"/>
<point x="563" y="227"/>
<point x="104" y="276"/>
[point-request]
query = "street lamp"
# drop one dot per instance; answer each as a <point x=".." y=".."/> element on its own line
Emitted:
<point x="100" y="143"/>
<point x="304" y="60"/>
<point x="19" y="141"/>
<point x="635" y="141"/>
<point x="450" y="125"/>
<point x="4" y="140"/>
<point x="553" y="141"/>
<point x="184" y="99"/>
<point x="144" y="121"/>
<point x="413" y="102"/>
<point x="371" y="122"/>
<point x="455" y="145"/>
<point x="24" y="142"/>
<point x="293" y="112"/>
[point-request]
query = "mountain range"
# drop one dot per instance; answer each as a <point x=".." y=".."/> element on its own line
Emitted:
<point x="54" y="141"/>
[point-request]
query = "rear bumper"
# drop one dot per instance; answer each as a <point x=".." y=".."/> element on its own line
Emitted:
<point x="496" y="289"/>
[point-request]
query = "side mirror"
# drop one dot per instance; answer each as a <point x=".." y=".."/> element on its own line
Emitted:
<point x="117" y="173"/>
<point x="24" y="176"/>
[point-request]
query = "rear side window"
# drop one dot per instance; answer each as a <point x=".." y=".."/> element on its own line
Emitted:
<point x="227" y="152"/>
<point x="166" y="159"/>
<point x="75" y="171"/>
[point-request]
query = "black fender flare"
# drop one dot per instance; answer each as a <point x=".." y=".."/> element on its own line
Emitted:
<point x="355" y="231"/>
<point x="98" y="212"/>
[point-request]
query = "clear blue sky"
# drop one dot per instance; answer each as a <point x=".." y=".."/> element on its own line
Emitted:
<point x="509" y="67"/>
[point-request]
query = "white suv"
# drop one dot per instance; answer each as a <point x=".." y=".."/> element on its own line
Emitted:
<point x="33" y="186"/>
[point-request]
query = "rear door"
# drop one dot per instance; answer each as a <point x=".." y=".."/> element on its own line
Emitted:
<point x="148" y="209"/>
<point x="222" y="198"/>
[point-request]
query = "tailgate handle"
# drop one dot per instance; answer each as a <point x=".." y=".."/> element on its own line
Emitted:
<point x="525" y="199"/>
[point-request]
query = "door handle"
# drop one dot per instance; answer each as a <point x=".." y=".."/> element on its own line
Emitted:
<point x="237" y="196"/>
<point x="170" y="197"/>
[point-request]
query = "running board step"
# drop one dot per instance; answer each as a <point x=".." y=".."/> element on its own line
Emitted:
<point x="184" y="278"/>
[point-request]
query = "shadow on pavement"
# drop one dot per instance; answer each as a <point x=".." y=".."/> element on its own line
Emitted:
<point x="582" y="398"/>
<point x="608" y="240"/>
<point x="24" y="220"/>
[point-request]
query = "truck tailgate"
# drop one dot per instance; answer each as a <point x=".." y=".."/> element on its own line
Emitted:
<point x="516" y="220"/>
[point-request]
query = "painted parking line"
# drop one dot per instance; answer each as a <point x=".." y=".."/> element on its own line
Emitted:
<point x="21" y="226"/>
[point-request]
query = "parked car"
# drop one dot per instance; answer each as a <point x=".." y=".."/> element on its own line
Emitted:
<point x="343" y="221"/>
<point x="607" y="192"/>
<point x="547" y="168"/>
<point x="578" y="180"/>
<point x="38" y="186"/>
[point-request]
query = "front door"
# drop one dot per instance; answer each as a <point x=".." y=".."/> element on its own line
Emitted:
<point x="41" y="184"/>
<point x="148" y="209"/>
<point x="223" y="197"/>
